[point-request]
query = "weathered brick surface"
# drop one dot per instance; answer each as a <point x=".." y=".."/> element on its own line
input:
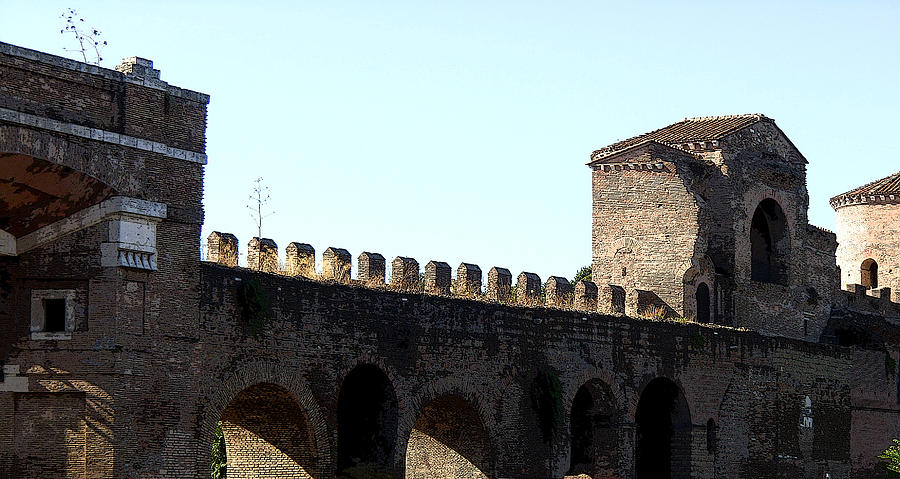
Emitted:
<point x="157" y="357"/>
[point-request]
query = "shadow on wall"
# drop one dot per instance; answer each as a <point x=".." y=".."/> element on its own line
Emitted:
<point x="449" y="440"/>
<point x="267" y="430"/>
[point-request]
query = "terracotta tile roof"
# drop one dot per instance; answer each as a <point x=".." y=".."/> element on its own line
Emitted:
<point x="885" y="190"/>
<point x="689" y="130"/>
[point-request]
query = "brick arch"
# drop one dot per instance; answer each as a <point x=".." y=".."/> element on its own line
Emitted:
<point x="572" y="387"/>
<point x="573" y="383"/>
<point x="263" y="372"/>
<point x="359" y="406"/>
<point x="633" y="396"/>
<point x="103" y="162"/>
<point x="663" y="440"/>
<point x="753" y="198"/>
<point x="471" y="392"/>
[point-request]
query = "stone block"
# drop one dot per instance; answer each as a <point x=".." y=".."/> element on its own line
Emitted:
<point x="370" y="268"/>
<point x="336" y="265"/>
<point x="300" y="260"/>
<point x="468" y="280"/>
<point x="586" y="296"/>
<point x="528" y="289"/>
<point x="499" y="284"/>
<point x="222" y="248"/>
<point x="405" y="274"/>
<point x="611" y="299"/>
<point x="558" y="292"/>
<point x="437" y="277"/>
<point x="262" y="255"/>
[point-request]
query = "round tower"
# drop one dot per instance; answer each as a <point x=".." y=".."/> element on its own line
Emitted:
<point x="868" y="234"/>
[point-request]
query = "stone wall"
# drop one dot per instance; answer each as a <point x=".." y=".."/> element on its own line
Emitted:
<point x="434" y="349"/>
<point x="74" y="391"/>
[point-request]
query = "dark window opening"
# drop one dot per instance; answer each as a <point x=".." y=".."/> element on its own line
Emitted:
<point x="869" y="274"/>
<point x="769" y="244"/>
<point x="55" y="315"/>
<point x="367" y="420"/>
<point x="702" y="298"/>
<point x="711" y="436"/>
<point x="663" y="432"/>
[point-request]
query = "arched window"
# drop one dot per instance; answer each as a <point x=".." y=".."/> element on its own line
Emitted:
<point x="770" y="244"/>
<point x="702" y="297"/>
<point x="868" y="274"/>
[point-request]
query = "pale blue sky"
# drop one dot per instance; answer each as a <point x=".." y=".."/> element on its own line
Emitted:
<point x="459" y="131"/>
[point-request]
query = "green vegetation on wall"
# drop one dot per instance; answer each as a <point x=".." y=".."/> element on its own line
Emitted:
<point x="254" y="306"/>
<point x="546" y="400"/>
<point x="217" y="467"/>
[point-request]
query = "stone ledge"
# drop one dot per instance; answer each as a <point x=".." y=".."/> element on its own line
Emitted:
<point x="44" y="123"/>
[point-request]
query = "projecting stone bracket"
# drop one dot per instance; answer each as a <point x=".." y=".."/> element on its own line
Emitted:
<point x="131" y="241"/>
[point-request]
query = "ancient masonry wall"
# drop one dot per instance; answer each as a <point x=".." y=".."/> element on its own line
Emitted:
<point x="433" y="347"/>
<point x="69" y="398"/>
<point x="645" y="225"/>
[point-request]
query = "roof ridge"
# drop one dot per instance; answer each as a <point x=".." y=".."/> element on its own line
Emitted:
<point x="688" y="130"/>
<point x="726" y="117"/>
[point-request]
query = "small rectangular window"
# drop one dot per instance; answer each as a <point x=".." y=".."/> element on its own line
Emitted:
<point x="55" y="315"/>
<point x="52" y="314"/>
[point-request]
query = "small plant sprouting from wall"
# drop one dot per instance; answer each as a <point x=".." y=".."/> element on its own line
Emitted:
<point x="654" y="312"/>
<point x="698" y="342"/>
<point x="891" y="457"/>
<point x="546" y="400"/>
<point x="254" y="306"/>
<point x="890" y="365"/>
<point x="86" y="38"/>
<point x="217" y="460"/>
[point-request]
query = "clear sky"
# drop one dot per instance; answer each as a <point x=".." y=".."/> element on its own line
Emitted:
<point x="459" y="131"/>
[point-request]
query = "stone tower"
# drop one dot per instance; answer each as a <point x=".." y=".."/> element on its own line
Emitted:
<point x="868" y="230"/>
<point x="707" y="218"/>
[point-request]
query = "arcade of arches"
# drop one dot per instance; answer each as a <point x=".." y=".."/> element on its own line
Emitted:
<point x="268" y="433"/>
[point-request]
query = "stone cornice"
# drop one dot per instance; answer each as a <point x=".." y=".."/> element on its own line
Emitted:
<point x="863" y="199"/>
<point x="97" y="134"/>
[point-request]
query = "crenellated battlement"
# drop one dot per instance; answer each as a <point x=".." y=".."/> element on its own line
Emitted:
<point x="880" y="301"/>
<point x="407" y="275"/>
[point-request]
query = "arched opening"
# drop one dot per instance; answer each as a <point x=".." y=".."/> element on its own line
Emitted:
<point x="703" y="309"/>
<point x="367" y="422"/>
<point x="663" y="423"/>
<point x="593" y="431"/>
<point x="770" y="244"/>
<point x="868" y="274"/>
<point x="267" y="433"/>
<point x="448" y="440"/>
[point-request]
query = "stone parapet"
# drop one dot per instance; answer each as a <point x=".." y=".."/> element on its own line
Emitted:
<point x="370" y="268"/>
<point x="468" y="280"/>
<point x="300" y="260"/>
<point x="405" y="274"/>
<point x="336" y="265"/>
<point x="437" y="278"/>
